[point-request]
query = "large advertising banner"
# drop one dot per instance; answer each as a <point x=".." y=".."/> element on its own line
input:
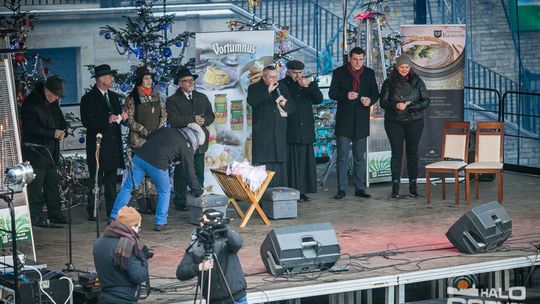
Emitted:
<point x="438" y="57"/>
<point x="225" y="63"/>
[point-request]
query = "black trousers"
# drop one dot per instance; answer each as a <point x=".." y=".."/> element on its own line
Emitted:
<point x="106" y="180"/>
<point x="410" y="133"/>
<point x="180" y="184"/>
<point x="45" y="190"/>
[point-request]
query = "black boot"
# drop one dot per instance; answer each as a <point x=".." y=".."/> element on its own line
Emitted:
<point x="412" y="188"/>
<point x="395" y="188"/>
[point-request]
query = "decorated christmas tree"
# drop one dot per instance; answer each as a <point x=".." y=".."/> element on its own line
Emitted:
<point x="144" y="39"/>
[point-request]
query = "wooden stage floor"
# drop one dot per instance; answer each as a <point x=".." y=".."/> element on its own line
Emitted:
<point x="411" y="236"/>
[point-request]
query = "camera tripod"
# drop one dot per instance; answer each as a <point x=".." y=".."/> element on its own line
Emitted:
<point x="210" y="256"/>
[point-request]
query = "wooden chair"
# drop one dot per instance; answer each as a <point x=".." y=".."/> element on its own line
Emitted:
<point x="489" y="156"/>
<point x="237" y="190"/>
<point x="455" y="148"/>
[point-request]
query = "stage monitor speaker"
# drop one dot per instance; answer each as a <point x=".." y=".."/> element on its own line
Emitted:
<point x="480" y="229"/>
<point x="302" y="248"/>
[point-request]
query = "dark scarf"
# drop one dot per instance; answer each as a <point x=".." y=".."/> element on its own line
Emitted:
<point x="129" y="243"/>
<point x="355" y="77"/>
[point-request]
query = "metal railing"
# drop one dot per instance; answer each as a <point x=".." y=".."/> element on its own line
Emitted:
<point x="314" y="25"/>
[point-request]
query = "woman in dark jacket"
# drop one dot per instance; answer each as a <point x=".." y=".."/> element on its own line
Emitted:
<point x="404" y="97"/>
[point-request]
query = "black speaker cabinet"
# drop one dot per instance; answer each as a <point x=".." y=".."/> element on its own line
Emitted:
<point x="480" y="229"/>
<point x="301" y="248"/>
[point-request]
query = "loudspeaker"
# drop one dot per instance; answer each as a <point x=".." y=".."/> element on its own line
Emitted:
<point x="302" y="248"/>
<point x="480" y="229"/>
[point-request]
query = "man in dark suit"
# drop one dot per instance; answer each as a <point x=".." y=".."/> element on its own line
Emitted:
<point x="43" y="128"/>
<point x="301" y="165"/>
<point x="271" y="106"/>
<point x="101" y="112"/>
<point x="354" y="87"/>
<point x="187" y="106"/>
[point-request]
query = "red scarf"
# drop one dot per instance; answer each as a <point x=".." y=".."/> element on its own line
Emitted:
<point x="355" y="77"/>
<point x="145" y="91"/>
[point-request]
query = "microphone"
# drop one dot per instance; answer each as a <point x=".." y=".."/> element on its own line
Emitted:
<point x="98" y="139"/>
<point x="279" y="91"/>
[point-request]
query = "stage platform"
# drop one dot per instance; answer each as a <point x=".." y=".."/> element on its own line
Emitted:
<point x="388" y="244"/>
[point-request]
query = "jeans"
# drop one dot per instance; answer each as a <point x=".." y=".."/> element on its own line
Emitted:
<point x="242" y="300"/>
<point x="410" y="133"/>
<point x="160" y="178"/>
<point x="359" y="151"/>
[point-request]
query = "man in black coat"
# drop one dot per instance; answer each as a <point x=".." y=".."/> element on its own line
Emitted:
<point x="271" y="106"/>
<point x="354" y="87"/>
<point x="187" y="106"/>
<point x="101" y="112"/>
<point x="301" y="167"/>
<point x="43" y="128"/>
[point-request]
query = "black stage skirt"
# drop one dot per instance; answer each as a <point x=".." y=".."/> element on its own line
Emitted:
<point x="280" y="178"/>
<point x="301" y="168"/>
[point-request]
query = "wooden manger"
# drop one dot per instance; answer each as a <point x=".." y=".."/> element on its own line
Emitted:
<point x="237" y="190"/>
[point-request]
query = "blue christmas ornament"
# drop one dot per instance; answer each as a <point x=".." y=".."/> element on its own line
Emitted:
<point x="163" y="85"/>
<point x="82" y="140"/>
<point x="124" y="87"/>
<point x="103" y="32"/>
<point x="163" y="26"/>
<point x="178" y="43"/>
<point x="167" y="52"/>
<point x="139" y="3"/>
<point x="107" y="35"/>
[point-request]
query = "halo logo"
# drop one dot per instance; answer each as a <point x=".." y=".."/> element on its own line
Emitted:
<point x="513" y="294"/>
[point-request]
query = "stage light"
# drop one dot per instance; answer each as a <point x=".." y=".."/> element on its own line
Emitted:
<point x="19" y="176"/>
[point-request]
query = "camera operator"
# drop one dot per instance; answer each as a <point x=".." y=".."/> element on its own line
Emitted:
<point x="121" y="260"/>
<point x="215" y="240"/>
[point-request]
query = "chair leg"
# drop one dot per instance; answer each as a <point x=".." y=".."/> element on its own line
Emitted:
<point x="428" y="188"/>
<point x="443" y="184"/>
<point x="467" y="188"/>
<point x="476" y="186"/>
<point x="456" y="188"/>
<point x="500" y="186"/>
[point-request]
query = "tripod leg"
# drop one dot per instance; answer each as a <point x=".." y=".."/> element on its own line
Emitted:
<point x="214" y="256"/>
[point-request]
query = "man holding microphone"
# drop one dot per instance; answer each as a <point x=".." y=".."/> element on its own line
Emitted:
<point x="271" y="106"/>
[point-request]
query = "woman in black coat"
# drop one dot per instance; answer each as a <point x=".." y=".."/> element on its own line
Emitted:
<point x="404" y="98"/>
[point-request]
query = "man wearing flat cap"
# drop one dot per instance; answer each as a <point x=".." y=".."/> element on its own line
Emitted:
<point x="101" y="112"/>
<point x="304" y="92"/>
<point x="43" y="128"/>
<point x="186" y="106"/>
<point x="121" y="260"/>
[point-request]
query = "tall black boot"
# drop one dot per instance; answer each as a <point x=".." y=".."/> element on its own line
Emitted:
<point x="412" y="188"/>
<point x="395" y="188"/>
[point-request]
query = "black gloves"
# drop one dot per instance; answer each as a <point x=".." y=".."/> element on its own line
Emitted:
<point x="147" y="252"/>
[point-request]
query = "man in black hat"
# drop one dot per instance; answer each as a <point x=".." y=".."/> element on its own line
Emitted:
<point x="101" y="112"/>
<point x="43" y="128"/>
<point x="301" y="167"/>
<point x="271" y="106"/>
<point x="186" y="106"/>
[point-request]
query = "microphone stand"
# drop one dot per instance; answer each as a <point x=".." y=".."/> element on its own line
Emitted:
<point x="96" y="190"/>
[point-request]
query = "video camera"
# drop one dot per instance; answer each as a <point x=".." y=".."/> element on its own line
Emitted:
<point x="213" y="228"/>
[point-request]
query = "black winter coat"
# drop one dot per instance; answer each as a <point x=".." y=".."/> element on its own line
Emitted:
<point x="40" y="119"/>
<point x="269" y="128"/>
<point x="226" y="249"/>
<point x="181" y="112"/>
<point x="95" y="118"/>
<point x="352" y="118"/>
<point x="300" y="124"/>
<point x="396" y="89"/>
<point x="117" y="285"/>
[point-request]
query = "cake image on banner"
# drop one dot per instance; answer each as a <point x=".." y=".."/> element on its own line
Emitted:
<point x="437" y="53"/>
<point x="227" y="63"/>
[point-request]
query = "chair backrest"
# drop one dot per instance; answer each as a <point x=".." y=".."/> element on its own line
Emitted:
<point x="489" y="141"/>
<point x="456" y="140"/>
